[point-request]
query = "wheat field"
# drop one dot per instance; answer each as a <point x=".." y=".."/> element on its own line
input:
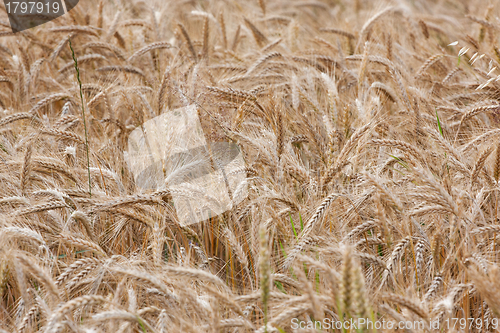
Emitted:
<point x="370" y="133"/>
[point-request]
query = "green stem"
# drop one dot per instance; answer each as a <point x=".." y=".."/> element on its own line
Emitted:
<point x="83" y="113"/>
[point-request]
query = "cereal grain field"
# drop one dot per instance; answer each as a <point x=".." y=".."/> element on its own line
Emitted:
<point x="370" y="133"/>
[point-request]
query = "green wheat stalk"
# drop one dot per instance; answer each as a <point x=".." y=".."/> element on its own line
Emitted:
<point x="83" y="112"/>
